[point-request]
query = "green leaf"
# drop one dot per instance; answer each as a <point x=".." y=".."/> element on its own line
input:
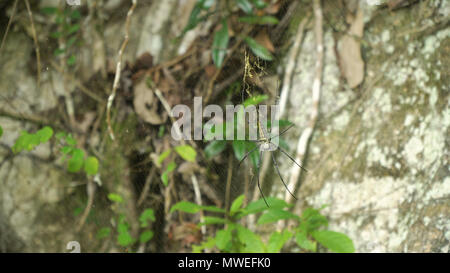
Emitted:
<point x="193" y="18"/>
<point x="56" y="34"/>
<point x="186" y="152"/>
<point x="258" y="49"/>
<point x="91" y="165"/>
<point x="209" y="243"/>
<point x="45" y="134"/>
<point x="245" y="6"/>
<point x="277" y="241"/>
<point x="59" y="51"/>
<point x="236" y="205"/>
<point x="165" y="175"/>
<point x="260" y="20"/>
<point x="73" y="28"/>
<point x="273" y="215"/>
<point x="215" y="147"/>
<point x="114" y="197"/>
<point x="1" y="131"/>
<point x="334" y="241"/>
<point x="146" y="216"/>
<point x="255" y="100"/>
<point x="146" y="236"/>
<point x="260" y="205"/>
<point x="71" y="60"/>
<point x="210" y="220"/>
<point x="49" y="10"/>
<point x="239" y="149"/>
<point x="220" y="44"/>
<point x="302" y="241"/>
<point x="75" y="14"/>
<point x="124" y="239"/>
<point x="71" y="141"/>
<point x="163" y="156"/>
<point x="76" y="161"/>
<point x="260" y="4"/>
<point x="313" y="219"/>
<point x="103" y="233"/>
<point x="185" y="206"/>
<point x="223" y="238"/>
<point x="252" y="242"/>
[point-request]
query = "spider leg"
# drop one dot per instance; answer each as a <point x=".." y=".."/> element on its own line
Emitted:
<point x="245" y="156"/>
<point x="290" y="157"/>
<point x="282" y="132"/>
<point x="281" y="177"/>
<point x="259" y="185"/>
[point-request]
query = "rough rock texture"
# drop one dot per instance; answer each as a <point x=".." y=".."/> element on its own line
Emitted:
<point x="379" y="156"/>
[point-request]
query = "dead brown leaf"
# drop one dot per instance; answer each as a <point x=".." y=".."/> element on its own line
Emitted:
<point x="146" y="104"/>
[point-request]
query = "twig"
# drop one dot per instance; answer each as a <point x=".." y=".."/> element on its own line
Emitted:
<point x="148" y="181"/>
<point x="36" y="45"/>
<point x="9" y="25"/>
<point x="91" y="187"/>
<point x="118" y="69"/>
<point x="198" y="200"/>
<point x="228" y="185"/>
<point x="303" y="141"/>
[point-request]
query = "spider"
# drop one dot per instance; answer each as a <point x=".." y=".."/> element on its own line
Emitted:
<point x="267" y="145"/>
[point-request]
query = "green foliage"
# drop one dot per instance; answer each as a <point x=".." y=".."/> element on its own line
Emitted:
<point x="258" y="49"/>
<point x="165" y="175"/>
<point x="234" y="237"/>
<point x="114" y="197"/>
<point x="67" y="33"/>
<point x="186" y="152"/>
<point x="220" y="44"/>
<point x="77" y="156"/>
<point x="28" y="142"/>
<point x="1" y="131"/>
<point x="91" y="165"/>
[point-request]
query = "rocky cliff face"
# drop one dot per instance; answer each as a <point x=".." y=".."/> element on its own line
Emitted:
<point x="378" y="157"/>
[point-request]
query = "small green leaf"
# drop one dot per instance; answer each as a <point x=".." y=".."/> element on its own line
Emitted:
<point x="255" y="100"/>
<point x="239" y="149"/>
<point x="75" y="14"/>
<point x="245" y="6"/>
<point x="165" y="175"/>
<point x="186" y="152"/>
<point x="260" y="205"/>
<point x="260" y="20"/>
<point x="277" y="241"/>
<point x="215" y="147"/>
<point x="56" y="34"/>
<point x="273" y="215"/>
<point x="91" y="165"/>
<point x="236" y="205"/>
<point x="1" y="131"/>
<point x="223" y="238"/>
<point x="163" y="156"/>
<point x="71" y="141"/>
<point x="45" y="134"/>
<point x="103" y="233"/>
<point x="124" y="239"/>
<point x="334" y="241"/>
<point x="313" y="219"/>
<point x="193" y="18"/>
<point x="146" y="216"/>
<point x="210" y="220"/>
<point x="76" y="161"/>
<point x="210" y="243"/>
<point x="59" y="51"/>
<point x="259" y="4"/>
<point x="49" y="10"/>
<point x="73" y="28"/>
<point x="258" y="49"/>
<point x="146" y="236"/>
<point x="220" y="44"/>
<point x="185" y="206"/>
<point x="71" y="60"/>
<point x="302" y="241"/>
<point x="114" y="197"/>
<point x="251" y="241"/>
